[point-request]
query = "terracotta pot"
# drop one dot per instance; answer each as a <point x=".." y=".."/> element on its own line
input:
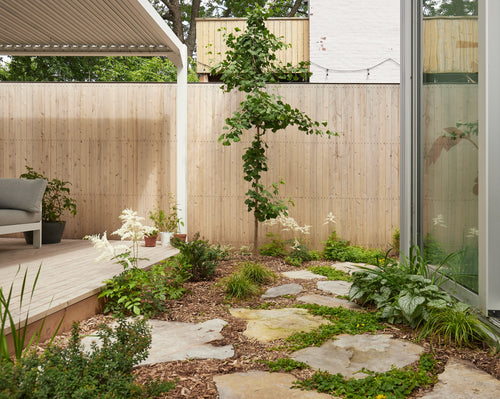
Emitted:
<point x="181" y="237"/>
<point x="150" y="241"/>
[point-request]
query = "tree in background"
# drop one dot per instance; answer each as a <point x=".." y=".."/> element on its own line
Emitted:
<point x="250" y="63"/>
<point x="450" y="7"/>
<point x="180" y="16"/>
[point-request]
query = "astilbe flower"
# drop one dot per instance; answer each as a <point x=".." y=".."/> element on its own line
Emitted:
<point x="104" y="247"/>
<point x="132" y="228"/>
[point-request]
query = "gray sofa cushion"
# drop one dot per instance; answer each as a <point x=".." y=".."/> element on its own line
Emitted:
<point x="13" y="216"/>
<point x="23" y="194"/>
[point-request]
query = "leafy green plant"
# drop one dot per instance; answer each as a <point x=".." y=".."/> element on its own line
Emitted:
<point x="201" y="258"/>
<point x="257" y="273"/>
<point x="142" y="292"/>
<point x="396" y="383"/>
<point x="238" y="286"/>
<point x="104" y="372"/>
<point x="276" y="247"/>
<point x="56" y="199"/>
<point x="300" y="253"/>
<point x="250" y="63"/>
<point x="341" y="250"/>
<point x="404" y="293"/>
<point x="343" y="321"/>
<point x="330" y="272"/>
<point x="285" y="364"/>
<point x="167" y="221"/>
<point x="18" y="330"/>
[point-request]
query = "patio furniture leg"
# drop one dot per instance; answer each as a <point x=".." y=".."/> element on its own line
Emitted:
<point x="37" y="238"/>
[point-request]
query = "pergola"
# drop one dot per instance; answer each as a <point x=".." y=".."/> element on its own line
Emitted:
<point x="99" y="28"/>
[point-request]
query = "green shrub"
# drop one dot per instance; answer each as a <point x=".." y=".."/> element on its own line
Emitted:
<point x="240" y="287"/>
<point x="70" y="372"/>
<point x="144" y="292"/>
<point x="300" y="254"/>
<point x="340" y="250"/>
<point x="201" y="258"/>
<point x="257" y="273"/>
<point x="276" y="247"/>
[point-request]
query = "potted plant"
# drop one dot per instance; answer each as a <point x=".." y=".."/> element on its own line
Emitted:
<point x="150" y="236"/>
<point x="55" y="202"/>
<point x="167" y="222"/>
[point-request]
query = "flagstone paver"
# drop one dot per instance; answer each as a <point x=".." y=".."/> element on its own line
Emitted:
<point x="350" y="353"/>
<point x="335" y="287"/>
<point x="281" y="290"/>
<point x="173" y="340"/>
<point x="350" y="267"/>
<point x="268" y="325"/>
<point x="332" y="302"/>
<point x="303" y="275"/>
<point x="262" y="385"/>
<point x="461" y="380"/>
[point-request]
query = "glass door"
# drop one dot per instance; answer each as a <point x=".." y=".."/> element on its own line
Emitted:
<point x="449" y="138"/>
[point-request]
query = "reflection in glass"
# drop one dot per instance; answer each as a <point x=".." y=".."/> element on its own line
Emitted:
<point x="450" y="137"/>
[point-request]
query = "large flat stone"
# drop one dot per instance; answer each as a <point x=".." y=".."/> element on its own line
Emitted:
<point x="303" y="275"/>
<point x="350" y="353"/>
<point x="262" y="385"/>
<point x="268" y="325"/>
<point x="350" y="267"/>
<point x="332" y="302"/>
<point x="281" y="290"/>
<point x="335" y="287"/>
<point x="173" y="340"/>
<point x="461" y="380"/>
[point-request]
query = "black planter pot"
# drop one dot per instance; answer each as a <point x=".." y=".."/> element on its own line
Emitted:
<point x="51" y="233"/>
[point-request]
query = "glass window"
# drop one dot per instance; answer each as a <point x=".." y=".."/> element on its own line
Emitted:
<point x="449" y="138"/>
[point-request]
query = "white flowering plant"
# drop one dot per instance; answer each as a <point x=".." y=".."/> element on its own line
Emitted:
<point x="132" y="229"/>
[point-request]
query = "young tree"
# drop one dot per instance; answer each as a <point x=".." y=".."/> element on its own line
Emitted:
<point x="250" y="63"/>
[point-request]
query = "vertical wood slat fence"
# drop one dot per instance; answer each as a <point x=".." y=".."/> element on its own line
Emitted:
<point x="116" y="144"/>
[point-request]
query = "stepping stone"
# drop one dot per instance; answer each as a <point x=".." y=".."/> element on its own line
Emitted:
<point x="329" y="301"/>
<point x="262" y="385"/>
<point x="350" y="267"/>
<point x="268" y="325"/>
<point x="285" y="289"/>
<point x="303" y="275"/>
<point x="348" y="354"/>
<point x="462" y="380"/>
<point x="173" y="340"/>
<point x="335" y="287"/>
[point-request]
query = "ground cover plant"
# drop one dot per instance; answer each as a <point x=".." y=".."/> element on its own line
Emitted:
<point x="396" y="383"/>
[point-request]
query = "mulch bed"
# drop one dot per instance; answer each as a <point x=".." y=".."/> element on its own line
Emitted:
<point x="207" y="300"/>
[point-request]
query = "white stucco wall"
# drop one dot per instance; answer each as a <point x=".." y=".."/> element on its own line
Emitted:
<point x="354" y="41"/>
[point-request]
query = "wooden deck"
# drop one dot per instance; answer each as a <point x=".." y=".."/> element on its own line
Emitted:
<point x="69" y="281"/>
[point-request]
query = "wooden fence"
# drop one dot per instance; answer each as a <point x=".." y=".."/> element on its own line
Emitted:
<point x="116" y="144"/>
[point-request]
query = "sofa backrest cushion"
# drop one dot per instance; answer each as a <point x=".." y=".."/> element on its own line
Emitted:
<point x="23" y="194"/>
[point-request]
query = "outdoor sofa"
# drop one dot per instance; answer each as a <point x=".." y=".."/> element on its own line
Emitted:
<point x="21" y="207"/>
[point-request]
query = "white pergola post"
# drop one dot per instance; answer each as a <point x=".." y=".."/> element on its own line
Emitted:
<point x="182" y="139"/>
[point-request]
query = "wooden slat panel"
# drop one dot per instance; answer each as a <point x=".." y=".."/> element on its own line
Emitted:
<point x="116" y="143"/>
<point x="210" y="38"/>
<point x="451" y="45"/>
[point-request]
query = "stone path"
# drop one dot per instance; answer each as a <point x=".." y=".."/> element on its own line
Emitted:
<point x="347" y="354"/>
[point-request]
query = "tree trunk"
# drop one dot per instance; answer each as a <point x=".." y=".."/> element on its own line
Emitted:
<point x="255" y="236"/>
<point x="295" y="8"/>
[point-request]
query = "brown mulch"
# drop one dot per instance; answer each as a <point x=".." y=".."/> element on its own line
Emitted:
<point x="207" y="300"/>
